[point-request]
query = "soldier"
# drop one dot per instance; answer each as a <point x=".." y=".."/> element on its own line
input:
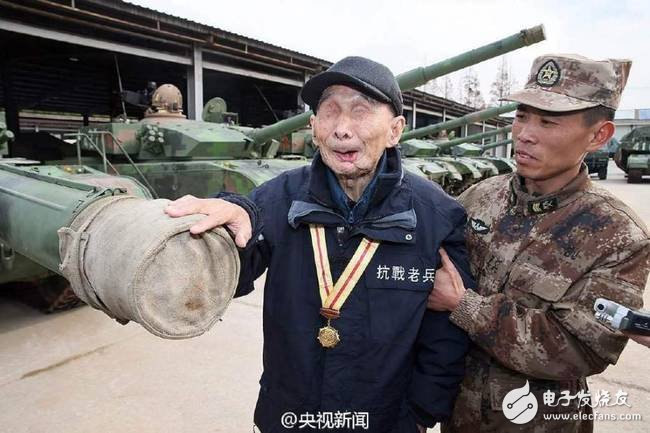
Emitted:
<point x="350" y="244"/>
<point x="544" y="243"/>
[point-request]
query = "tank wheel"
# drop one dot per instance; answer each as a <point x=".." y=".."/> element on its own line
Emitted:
<point x="634" y="176"/>
<point x="602" y="173"/>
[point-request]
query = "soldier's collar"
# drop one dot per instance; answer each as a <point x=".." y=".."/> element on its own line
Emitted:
<point x="529" y="204"/>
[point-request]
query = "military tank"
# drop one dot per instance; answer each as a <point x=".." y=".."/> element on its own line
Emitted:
<point x="466" y="147"/>
<point x="167" y="155"/>
<point x="503" y="164"/>
<point x="174" y="156"/>
<point x="464" y="171"/>
<point x="633" y="154"/>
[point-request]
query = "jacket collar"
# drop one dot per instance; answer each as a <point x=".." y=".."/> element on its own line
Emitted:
<point x="528" y="204"/>
<point x="384" y="181"/>
<point x="390" y="215"/>
<point x="353" y="211"/>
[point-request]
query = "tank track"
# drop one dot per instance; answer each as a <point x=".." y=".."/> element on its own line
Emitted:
<point x="49" y="295"/>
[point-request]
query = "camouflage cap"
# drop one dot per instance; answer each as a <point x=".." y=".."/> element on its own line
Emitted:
<point x="568" y="82"/>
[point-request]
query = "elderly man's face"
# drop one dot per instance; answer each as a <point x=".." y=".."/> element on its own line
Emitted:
<point x="352" y="131"/>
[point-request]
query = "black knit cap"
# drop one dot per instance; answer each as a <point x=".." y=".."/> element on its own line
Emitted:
<point x="368" y="77"/>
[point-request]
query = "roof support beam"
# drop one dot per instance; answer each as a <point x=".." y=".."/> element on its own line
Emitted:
<point x="195" y="85"/>
<point x="251" y="74"/>
<point x="422" y="110"/>
<point x="91" y="42"/>
<point x="414" y="115"/>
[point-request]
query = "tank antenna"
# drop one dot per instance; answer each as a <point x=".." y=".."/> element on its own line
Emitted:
<point x="119" y="83"/>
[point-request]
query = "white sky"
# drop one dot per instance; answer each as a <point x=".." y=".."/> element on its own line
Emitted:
<point x="404" y="34"/>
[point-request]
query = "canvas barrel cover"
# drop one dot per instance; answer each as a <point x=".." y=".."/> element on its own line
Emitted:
<point x="123" y="255"/>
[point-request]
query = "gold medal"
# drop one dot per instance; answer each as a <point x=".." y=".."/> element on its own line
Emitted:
<point x="328" y="336"/>
<point x="334" y="295"/>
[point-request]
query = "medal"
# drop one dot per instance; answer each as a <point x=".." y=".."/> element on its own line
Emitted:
<point x="328" y="336"/>
<point x="334" y="295"/>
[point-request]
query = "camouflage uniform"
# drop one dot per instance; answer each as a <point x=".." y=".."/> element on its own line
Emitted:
<point x="540" y="262"/>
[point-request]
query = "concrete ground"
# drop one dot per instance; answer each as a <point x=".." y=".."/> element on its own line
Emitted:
<point x="79" y="371"/>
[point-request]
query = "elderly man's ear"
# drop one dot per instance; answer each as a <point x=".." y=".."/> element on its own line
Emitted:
<point x="396" y="128"/>
<point x="312" y="121"/>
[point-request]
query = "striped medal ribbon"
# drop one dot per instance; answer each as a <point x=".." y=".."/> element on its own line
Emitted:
<point x="334" y="295"/>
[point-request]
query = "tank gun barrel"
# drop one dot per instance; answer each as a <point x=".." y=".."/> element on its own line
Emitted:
<point x="82" y="231"/>
<point x="477" y="116"/>
<point x="476" y="137"/>
<point x="281" y="128"/>
<point x="36" y="206"/>
<point x="497" y="144"/>
<point x="417" y="77"/>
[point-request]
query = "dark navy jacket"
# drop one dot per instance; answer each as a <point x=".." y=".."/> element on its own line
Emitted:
<point x="397" y="360"/>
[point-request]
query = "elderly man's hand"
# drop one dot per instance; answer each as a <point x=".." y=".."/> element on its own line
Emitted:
<point x="448" y="288"/>
<point x="641" y="339"/>
<point x="217" y="213"/>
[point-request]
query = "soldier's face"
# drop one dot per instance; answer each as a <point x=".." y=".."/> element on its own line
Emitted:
<point x="550" y="147"/>
<point x="352" y="131"/>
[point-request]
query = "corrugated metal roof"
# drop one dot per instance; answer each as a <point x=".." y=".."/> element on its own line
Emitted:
<point x="144" y="11"/>
<point x="141" y="20"/>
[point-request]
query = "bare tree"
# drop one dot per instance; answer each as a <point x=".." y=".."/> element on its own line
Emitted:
<point x="447" y="88"/>
<point x="470" y="90"/>
<point x="503" y="83"/>
<point x="431" y="87"/>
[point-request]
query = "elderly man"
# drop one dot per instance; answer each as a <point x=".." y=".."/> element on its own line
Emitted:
<point x="350" y="246"/>
<point x="544" y="244"/>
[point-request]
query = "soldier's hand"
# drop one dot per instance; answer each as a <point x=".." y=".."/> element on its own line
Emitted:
<point x="217" y="213"/>
<point x="641" y="339"/>
<point x="448" y="287"/>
